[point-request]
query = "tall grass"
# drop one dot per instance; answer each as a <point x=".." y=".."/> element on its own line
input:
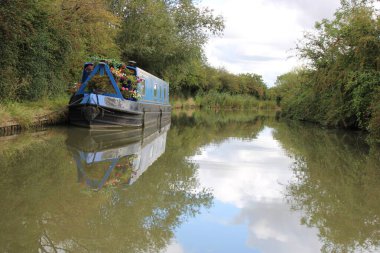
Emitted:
<point x="227" y="101"/>
<point x="27" y="113"/>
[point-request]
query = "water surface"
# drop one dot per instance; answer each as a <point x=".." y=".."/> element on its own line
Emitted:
<point x="209" y="182"/>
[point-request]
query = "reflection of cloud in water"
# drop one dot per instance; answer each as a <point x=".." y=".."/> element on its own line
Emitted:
<point x="252" y="175"/>
<point x="240" y="171"/>
<point x="273" y="228"/>
<point x="174" y="247"/>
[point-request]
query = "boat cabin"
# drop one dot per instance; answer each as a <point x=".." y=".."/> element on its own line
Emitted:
<point x="149" y="88"/>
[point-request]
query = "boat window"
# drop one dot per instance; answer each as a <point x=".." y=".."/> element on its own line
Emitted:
<point x="165" y="94"/>
<point x="155" y="90"/>
<point x="142" y="87"/>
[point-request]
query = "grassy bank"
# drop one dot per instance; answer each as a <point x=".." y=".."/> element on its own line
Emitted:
<point x="223" y="101"/>
<point x="27" y="113"/>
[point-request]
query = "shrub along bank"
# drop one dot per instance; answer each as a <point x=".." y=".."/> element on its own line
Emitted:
<point x="341" y="85"/>
<point x="45" y="43"/>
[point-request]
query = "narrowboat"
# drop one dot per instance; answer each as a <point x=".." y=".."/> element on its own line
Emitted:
<point x="115" y="97"/>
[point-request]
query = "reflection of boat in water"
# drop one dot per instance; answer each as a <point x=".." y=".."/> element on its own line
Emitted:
<point x="106" y="159"/>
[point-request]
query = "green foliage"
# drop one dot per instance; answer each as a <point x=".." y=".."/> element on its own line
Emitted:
<point x="374" y="123"/>
<point x="214" y="99"/>
<point x="165" y="37"/>
<point x="338" y="88"/>
<point x="44" y="44"/>
<point x="90" y="27"/>
<point x="222" y="81"/>
<point x="287" y="86"/>
<point x="362" y="87"/>
<point x="252" y="84"/>
<point x="33" y="52"/>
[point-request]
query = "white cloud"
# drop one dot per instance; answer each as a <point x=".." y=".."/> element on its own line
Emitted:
<point x="309" y="11"/>
<point x="260" y="34"/>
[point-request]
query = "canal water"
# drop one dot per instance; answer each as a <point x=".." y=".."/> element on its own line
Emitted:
<point x="208" y="182"/>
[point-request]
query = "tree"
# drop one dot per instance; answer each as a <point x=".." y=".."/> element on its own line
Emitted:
<point x="166" y="37"/>
<point x="30" y="51"/>
<point x="344" y="63"/>
<point x="252" y="84"/>
<point x="44" y="44"/>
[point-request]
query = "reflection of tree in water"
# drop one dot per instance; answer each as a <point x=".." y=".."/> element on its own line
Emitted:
<point x="204" y="127"/>
<point x="337" y="186"/>
<point x="50" y="211"/>
<point x="47" y="210"/>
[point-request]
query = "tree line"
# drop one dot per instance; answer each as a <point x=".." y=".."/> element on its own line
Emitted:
<point x="44" y="44"/>
<point x="340" y="84"/>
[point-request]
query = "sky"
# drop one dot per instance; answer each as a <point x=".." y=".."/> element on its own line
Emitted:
<point x="260" y="35"/>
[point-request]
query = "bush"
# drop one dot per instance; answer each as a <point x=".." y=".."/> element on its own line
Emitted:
<point x="214" y="99"/>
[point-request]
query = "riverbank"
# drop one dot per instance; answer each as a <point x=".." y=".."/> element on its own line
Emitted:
<point x="17" y="116"/>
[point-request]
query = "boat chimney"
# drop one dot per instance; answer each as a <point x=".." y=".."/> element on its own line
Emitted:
<point x="132" y="63"/>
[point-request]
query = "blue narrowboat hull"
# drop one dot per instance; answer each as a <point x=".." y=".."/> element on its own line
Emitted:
<point x="101" y="111"/>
